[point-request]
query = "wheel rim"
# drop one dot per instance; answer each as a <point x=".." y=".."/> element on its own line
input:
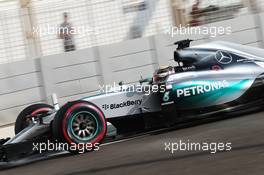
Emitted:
<point x="83" y="126"/>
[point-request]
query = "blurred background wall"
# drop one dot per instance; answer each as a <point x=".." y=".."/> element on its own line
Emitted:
<point x="123" y="39"/>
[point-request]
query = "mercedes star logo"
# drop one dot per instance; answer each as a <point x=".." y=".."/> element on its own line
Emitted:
<point x="223" y="57"/>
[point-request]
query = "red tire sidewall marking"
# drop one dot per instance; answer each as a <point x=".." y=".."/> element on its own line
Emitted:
<point x="66" y="116"/>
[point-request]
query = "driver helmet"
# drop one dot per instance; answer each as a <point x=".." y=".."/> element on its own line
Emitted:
<point x="163" y="72"/>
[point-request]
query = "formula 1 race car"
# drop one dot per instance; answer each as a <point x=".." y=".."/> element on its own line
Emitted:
<point x="217" y="77"/>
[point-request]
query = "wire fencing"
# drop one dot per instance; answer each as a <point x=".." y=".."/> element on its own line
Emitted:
<point x="30" y="30"/>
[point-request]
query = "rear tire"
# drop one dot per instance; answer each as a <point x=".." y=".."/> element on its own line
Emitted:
<point x="24" y="118"/>
<point x="79" y="123"/>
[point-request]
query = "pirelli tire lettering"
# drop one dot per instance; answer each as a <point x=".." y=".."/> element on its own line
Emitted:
<point x="122" y="104"/>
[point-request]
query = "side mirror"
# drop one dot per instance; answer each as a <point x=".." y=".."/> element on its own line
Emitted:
<point x="146" y="80"/>
<point x="176" y="56"/>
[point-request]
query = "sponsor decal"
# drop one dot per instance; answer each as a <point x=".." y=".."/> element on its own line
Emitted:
<point x="122" y="104"/>
<point x="245" y="60"/>
<point x="223" y="57"/>
<point x="205" y="93"/>
<point x="205" y="87"/>
<point x="189" y="68"/>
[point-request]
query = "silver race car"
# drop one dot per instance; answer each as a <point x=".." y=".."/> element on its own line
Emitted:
<point x="211" y="79"/>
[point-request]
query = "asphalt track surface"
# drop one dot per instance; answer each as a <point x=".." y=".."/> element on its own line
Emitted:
<point x="146" y="154"/>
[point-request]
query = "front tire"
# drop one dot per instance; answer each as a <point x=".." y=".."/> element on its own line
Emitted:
<point x="79" y="123"/>
<point x="24" y="118"/>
